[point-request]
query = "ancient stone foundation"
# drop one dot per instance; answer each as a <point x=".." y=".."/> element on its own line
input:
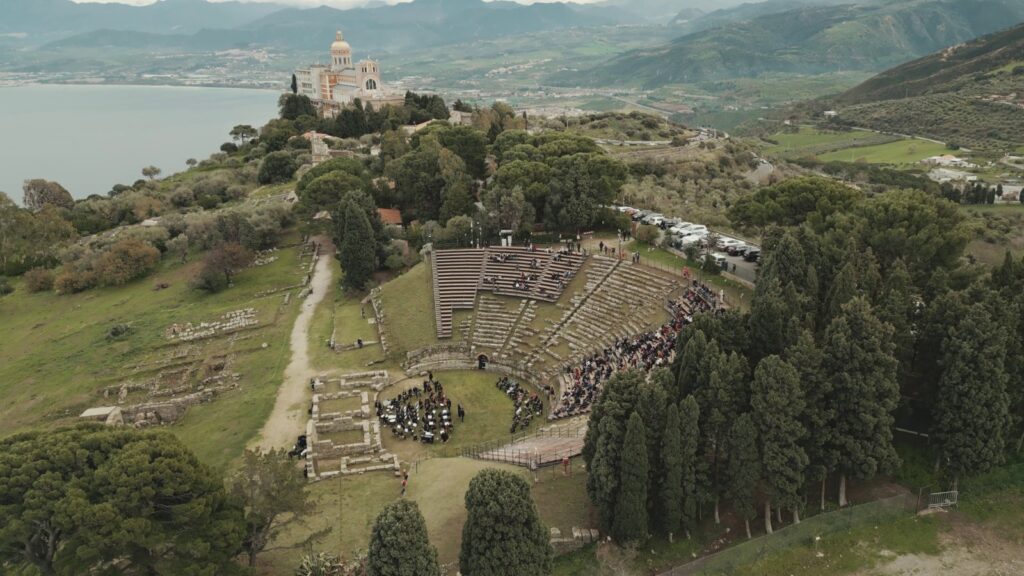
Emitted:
<point x="360" y="451"/>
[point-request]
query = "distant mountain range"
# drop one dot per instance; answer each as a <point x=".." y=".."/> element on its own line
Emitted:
<point x="971" y="95"/>
<point x="806" y="40"/>
<point x="45" y="20"/>
<point x="202" y="25"/>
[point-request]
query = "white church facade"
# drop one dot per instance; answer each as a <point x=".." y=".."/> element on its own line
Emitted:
<point x="340" y="83"/>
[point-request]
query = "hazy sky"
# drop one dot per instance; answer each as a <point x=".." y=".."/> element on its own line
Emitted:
<point x="334" y="3"/>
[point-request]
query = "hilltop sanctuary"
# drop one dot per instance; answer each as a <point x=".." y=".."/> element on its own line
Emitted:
<point x="333" y="86"/>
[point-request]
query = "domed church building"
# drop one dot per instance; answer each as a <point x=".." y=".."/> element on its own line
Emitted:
<point x="341" y="82"/>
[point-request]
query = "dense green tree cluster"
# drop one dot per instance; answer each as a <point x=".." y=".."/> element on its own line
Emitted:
<point x="93" y="499"/>
<point x="862" y="302"/>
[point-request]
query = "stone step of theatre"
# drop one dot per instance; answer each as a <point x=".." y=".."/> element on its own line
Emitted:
<point x="457" y="275"/>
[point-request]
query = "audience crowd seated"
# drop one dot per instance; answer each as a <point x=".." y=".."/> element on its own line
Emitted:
<point x="646" y="351"/>
<point x="421" y="413"/>
<point x="527" y="404"/>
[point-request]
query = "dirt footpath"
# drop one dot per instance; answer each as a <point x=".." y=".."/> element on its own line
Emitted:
<point x="288" y="419"/>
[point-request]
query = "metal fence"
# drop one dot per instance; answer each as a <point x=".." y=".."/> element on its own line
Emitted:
<point x="808" y="534"/>
<point x="512" y="451"/>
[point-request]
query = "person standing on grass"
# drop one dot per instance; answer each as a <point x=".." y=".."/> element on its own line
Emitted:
<point x="405" y="483"/>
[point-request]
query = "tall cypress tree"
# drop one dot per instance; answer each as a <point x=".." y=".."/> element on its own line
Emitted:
<point x="774" y="320"/>
<point x="357" y="252"/>
<point x="689" y="421"/>
<point x="972" y="407"/>
<point x="651" y="407"/>
<point x="630" y="523"/>
<point x="398" y="543"/>
<point x="503" y="536"/>
<point x="843" y="289"/>
<point x="671" y="493"/>
<point x="602" y="445"/>
<point x="777" y="403"/>
<point x="819" y="413"/>
<point x="721" y="401"/>
<point x="744" y="472"/>
<point x="690" y="364"/>
<point x="860" y="364"/>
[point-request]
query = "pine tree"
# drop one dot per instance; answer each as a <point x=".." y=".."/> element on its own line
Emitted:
<point x="357" y="252"/>
<point x="972" y="408"/>
<point x="398" y="543"/>
<point x="671" y="493"/>
<point x="503" y="536"/>
<point x="744" y="471"/>
<point x="860" y="364"/>
<point x="630" y="524"/>
<point x="456" y="200"/>
<point x="777" y="404"/>
<point x="689" y="421"/>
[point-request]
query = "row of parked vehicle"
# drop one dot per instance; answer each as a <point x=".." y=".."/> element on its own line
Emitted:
<point x="683" y="234"/>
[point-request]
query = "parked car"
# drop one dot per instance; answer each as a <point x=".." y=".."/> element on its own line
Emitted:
<point x="720" y="260"/>
<point x="689" y="239"/>
<point x="626" y="209"/>
<point x="752" y="255"/>
<point x="653" y="218"/>
<point x="668" y="223"/>
<point x="640" y="215"/>
<point x="698" y="229"/>
<point x="737" y="249"/>
<point x="725" y="242"/>
<point x="680" y="228"/>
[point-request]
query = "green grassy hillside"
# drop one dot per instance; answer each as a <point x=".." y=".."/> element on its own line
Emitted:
<point x="968" y="95"/>
<point x="808" y="40"/>
<point x="56" y="359"/>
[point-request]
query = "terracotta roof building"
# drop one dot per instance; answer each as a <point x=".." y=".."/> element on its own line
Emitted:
<point x="390" y="216"/>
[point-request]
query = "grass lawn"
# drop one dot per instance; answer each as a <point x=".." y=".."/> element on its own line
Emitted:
<point x="348" y="320"/>
<point x="409" y="310"/>
<point x="857" y="549"/>
<point x="349" y="505"/>
<point x="488" y="415"/>
<point x="55" y="358"/>
<point x="808" y="136"/>
<point x="901" y="152"/>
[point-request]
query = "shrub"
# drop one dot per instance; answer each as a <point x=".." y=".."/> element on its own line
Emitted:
<point x="125" y="261"/>
<point x="276" y="167"/>
<point x="118" y="331"/>
<point x="38" y="280"/>
<point x="647" y="234"/>
<point x="5" y="286"/>
<point x="71" y="281"/>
